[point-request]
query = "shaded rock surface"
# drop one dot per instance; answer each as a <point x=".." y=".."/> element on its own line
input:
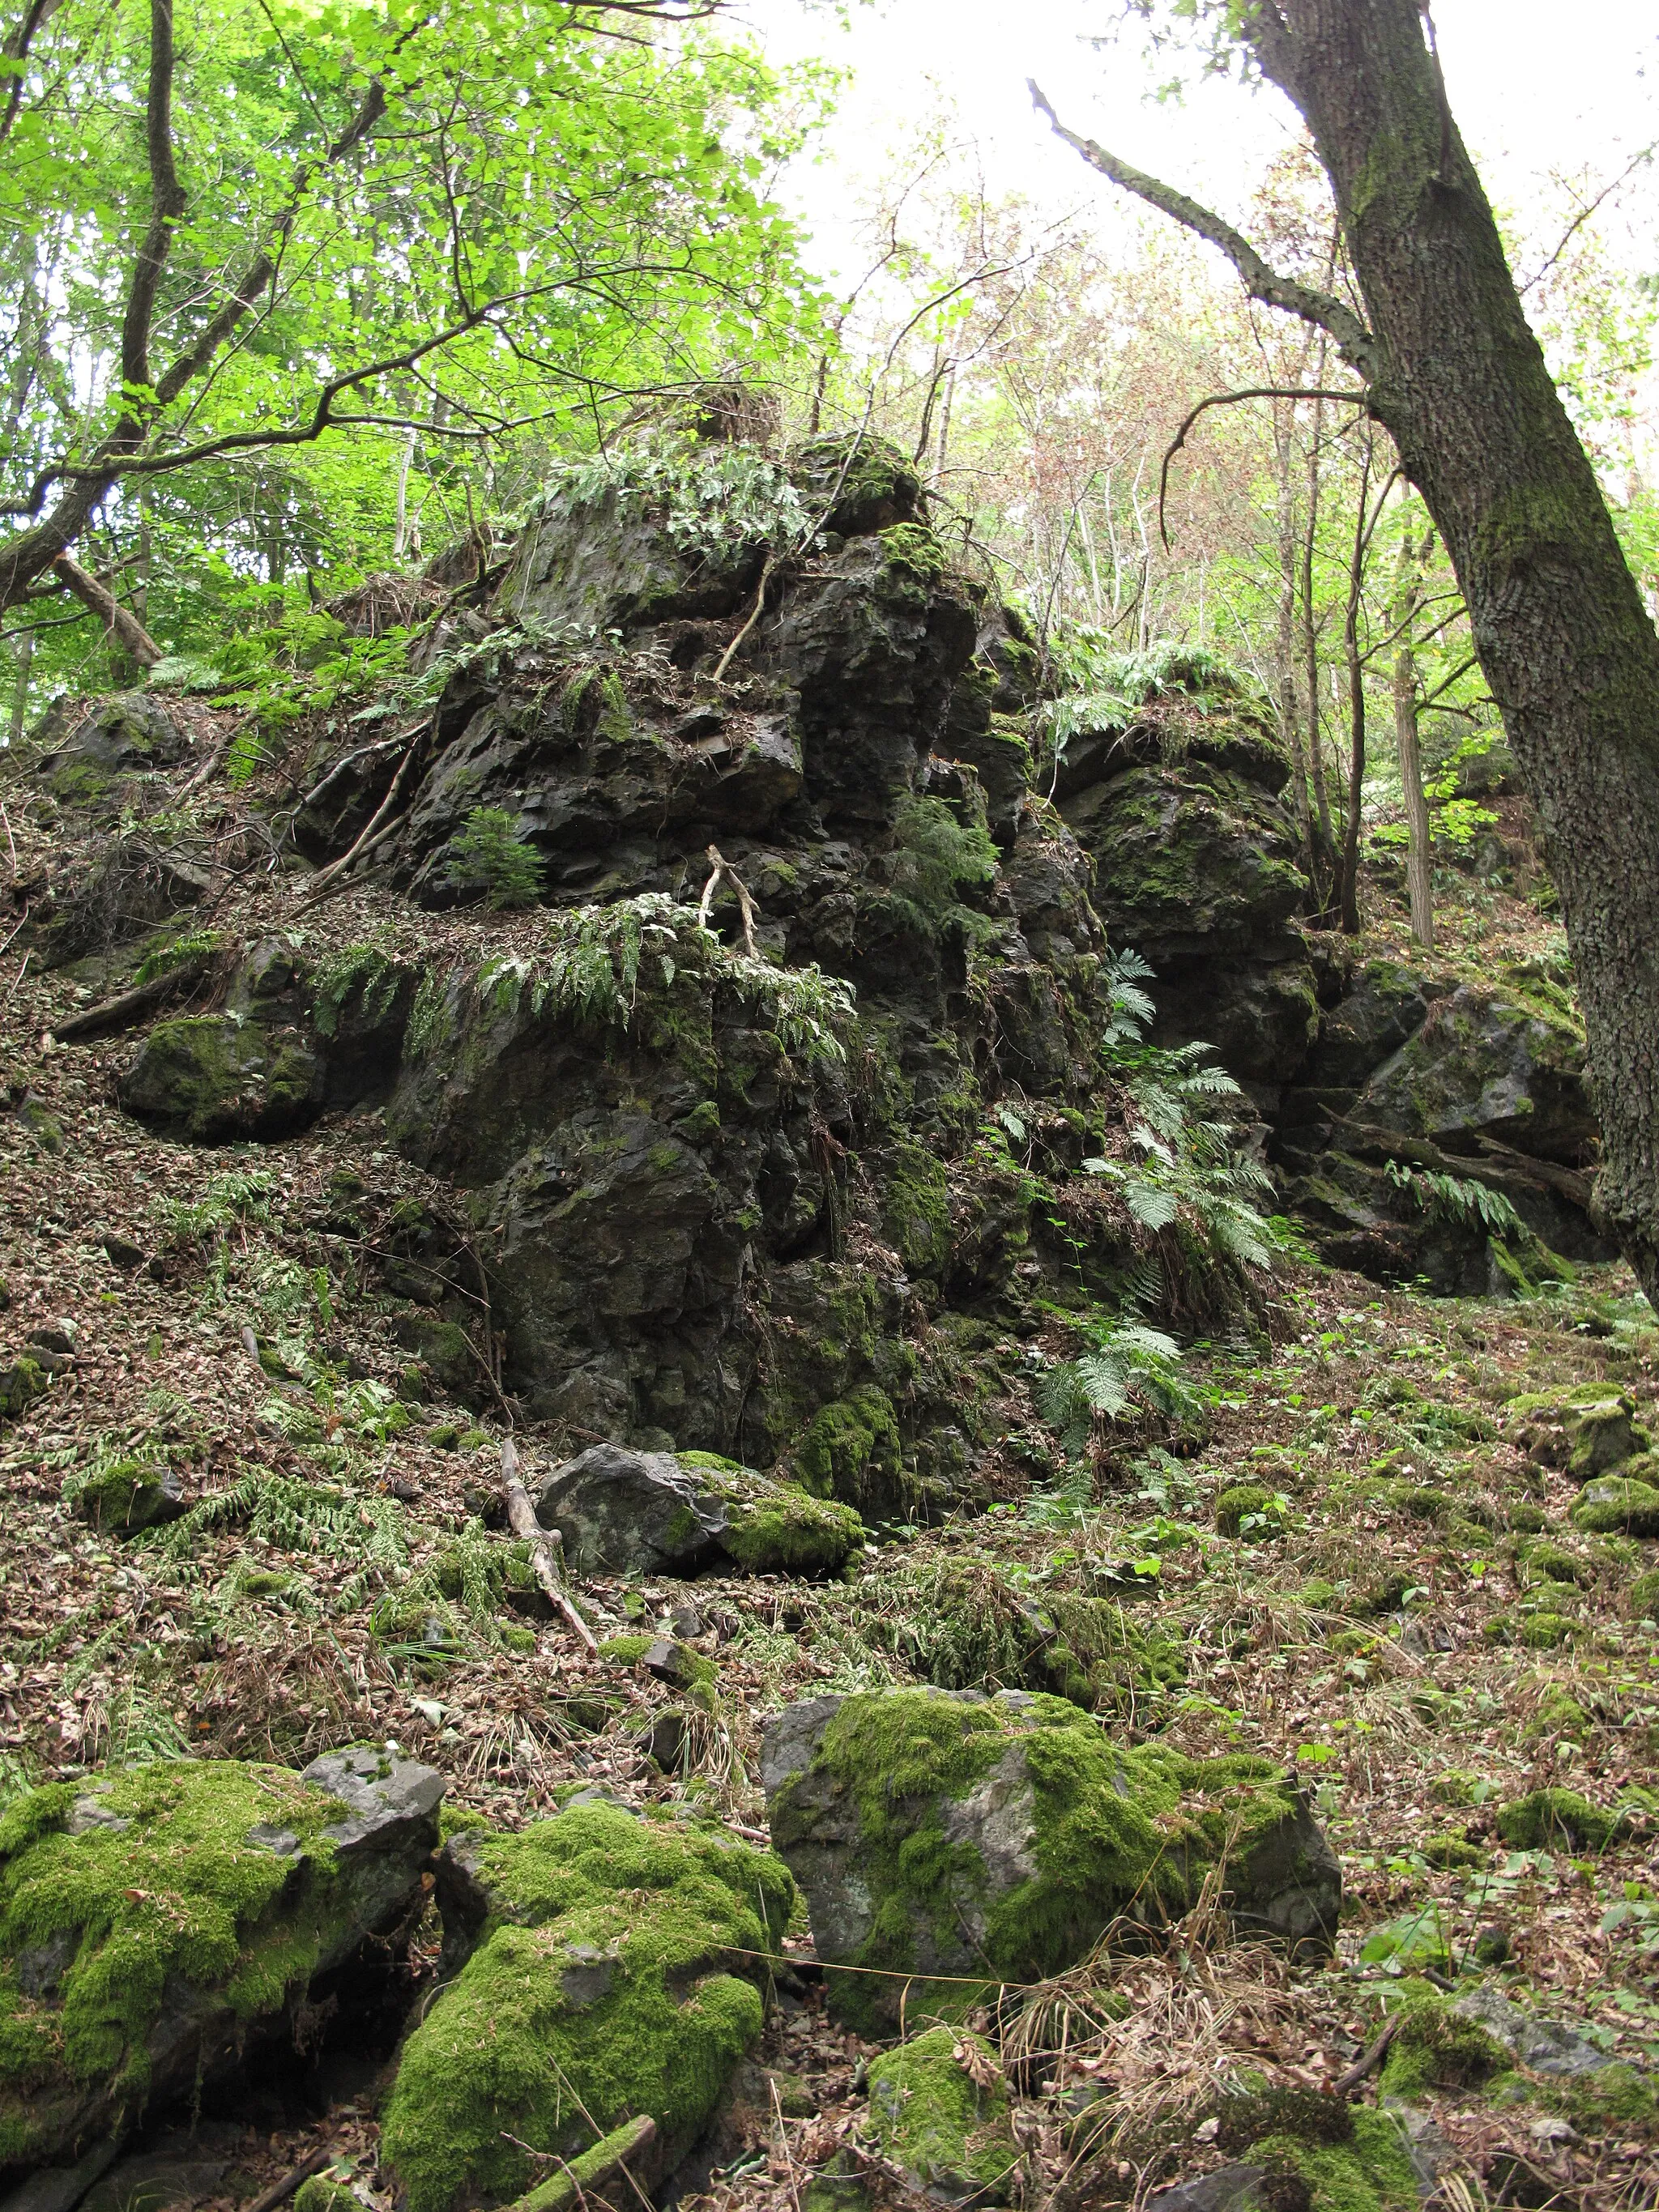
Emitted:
<point x="649" y="1513"/>
<point x="940" y="1834"/>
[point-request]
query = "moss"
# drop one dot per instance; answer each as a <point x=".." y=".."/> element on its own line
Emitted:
<point x="1246" y="1510"/>
<point x="20" y="1384"/>
<point x="694" y="1670"/>
<point x="788" y="1532"/>
<point x="162" y="1886"/>
<point x="850" y="1449"/>
<point x="621" y="1984"/>
<point x="1309" y="2115"/>
<point x="1620" y="1504"/>
<point x="322" y="2193"/>
<point x="1549" y="1562"/>
<point x="1615" y="2099"/>
<point x="1370" y="2172"/>
<point x="950" y="2132"/>
<point x="1556" y="1820"/>
<point x="915" y="1208"/>
<point x="1116" y="1832"/>
<point x="1435" y="2048"/>
<point x="1643" y="1596"/>
<point x="128" y="1495"/>
<point x="1559" y="1714"/>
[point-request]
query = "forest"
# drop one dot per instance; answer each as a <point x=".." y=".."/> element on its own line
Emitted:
<point x="828" y="1107"/>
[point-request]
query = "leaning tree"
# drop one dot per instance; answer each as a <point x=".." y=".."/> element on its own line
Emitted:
<point x="1452" y="370"/>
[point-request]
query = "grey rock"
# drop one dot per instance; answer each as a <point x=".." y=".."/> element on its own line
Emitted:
<point x="1229" y="2189"/>
<point x="1545" y="2046"/>
<point x="1485" y="1066"/>
<point x="630" y="1513"/>
<point x="61" y="2188"/>
<point x="391" y="1800"/>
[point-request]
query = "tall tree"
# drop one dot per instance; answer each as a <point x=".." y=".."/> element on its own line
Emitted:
<point x="1456" y="376"/>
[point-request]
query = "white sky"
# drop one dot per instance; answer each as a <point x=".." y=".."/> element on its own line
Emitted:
<point x="1536" y="86"/>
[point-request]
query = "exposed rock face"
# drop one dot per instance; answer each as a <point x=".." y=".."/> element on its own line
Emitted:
<point x="597" y="1966"/>
<point x="156" y="1923"/>
<point x="651" y="1513"/>
<point x="1183" y="813"/>
<point x="939" y="1833"/>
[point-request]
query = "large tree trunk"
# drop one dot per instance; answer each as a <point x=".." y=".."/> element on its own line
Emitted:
<point x="1572" y="659"/>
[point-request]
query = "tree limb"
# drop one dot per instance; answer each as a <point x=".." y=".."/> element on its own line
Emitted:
<point x="1227" y="399"/>
<point x="16" y="49"/>
<point x="1353" y="341"/>
<point x="521" y="1519"/>
<point x="166" y="204"/>
<point x="122" y="625"/>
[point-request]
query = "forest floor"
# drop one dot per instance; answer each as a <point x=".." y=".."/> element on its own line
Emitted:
<point x="1415" y="1679"/>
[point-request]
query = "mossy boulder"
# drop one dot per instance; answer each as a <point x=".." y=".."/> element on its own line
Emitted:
<point x="945" y="1834"/>
<point x="862" y="484"/>
<point x="597" y="1965"/>
<point x="1589" y="1430"/>
<point x="128" y="1495"/>
<point x="850" y="1449"/>
<point x="938" y="2107"/>
<point x="1615" y="1504"/>
<point x="1246" y="1510"/>
<point x="215" y="1079"/>
<point x="1556" y="1820"/>
<point x="1436" y="2047"/>
<point x="642" y="1513"/>
<point x="156" y="1923"/>
<point x="20" y="1384"/>
<point x="1371" y="2172"/>
<point x="1488" y="1064"/>
<point x="1643" y="1596"/>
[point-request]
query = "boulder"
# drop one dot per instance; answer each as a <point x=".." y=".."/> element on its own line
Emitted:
<point x="1588" y="1429"/>
<point x="217" y="1080"/>
<point x="1485" y="1064"/>
<point x="633" y="1513"/>
<point x="948" y="1834"/>
<point x="157" y="1924"/>
<point x="1625" y="1504"/>
<point x="597" y="1966"/>
<point x="128" y="1495"/>
<point x="938" y="2107"/>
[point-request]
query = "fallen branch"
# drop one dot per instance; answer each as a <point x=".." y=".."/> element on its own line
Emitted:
<point x="211" y="766"/>
<point x="359" y="753"/>
<point x="1364" y="2067"/>
<point x="373" y="834"/>
<point x="608" y="2155"/>
<point x="128" y="1006"/>
<point x="280" y="2191"/>
<point x="726" y="658"/>
<point x="521" y="1519"/>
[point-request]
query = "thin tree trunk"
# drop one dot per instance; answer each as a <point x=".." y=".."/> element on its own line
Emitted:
<point x="1290" y="720"/>
<point x="400" y="535"/>
<point x="128" y="633"/>
<point x="1327" y="842"/>
<point x="1348" y="882"/>
<point x="19" y="695"/>
<point x="1419" y="885"/>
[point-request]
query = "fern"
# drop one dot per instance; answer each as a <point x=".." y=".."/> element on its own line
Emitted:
<point x="1461" y="1204"/>
<point x="1126" y="1364"/>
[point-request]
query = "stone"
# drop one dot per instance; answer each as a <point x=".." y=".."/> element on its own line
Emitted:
<point x="131" y="1495"/>
<point x="159" y="1924"/>
<point x="1542" y="2046"/>
<point x="20" y="1384"/>
<point x="646" y="1513"/>
<point x="215" y="1079"/>
<point x="596" y="1966"/>
<point x="1589" y="1430"/>
<point x="938" y="2107"/>
<point x="1230" y="2188"/>
<point x="186" y="2168"/>
<point x="947" y="1834"/>
<point x="1621" y="1504"/>
<point x="1485" y="1064"/>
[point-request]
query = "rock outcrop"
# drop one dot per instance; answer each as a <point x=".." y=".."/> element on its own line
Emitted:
<point x="947" y="1840"/>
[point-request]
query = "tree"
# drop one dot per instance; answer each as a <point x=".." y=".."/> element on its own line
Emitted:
<point x="459" y="224"/>
<point x="1455" y="373"/>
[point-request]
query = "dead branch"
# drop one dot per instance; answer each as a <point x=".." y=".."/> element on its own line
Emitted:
<point x="521" y="1519"/>
<point x="378" y="828"/>
<point x="1344" y="2084"/>
<point x="280" y="2191"/>
<point x="129" y="1007"/>
<point x="1227" y="399"/>
<point x="570" y="2185"/>
<point x="722" y="870"/>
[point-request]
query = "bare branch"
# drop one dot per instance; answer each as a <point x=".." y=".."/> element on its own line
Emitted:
<point x="1586" y="212"/>
<point x="1353" y="341"/>
<point x="16" y="49"/>
<point x="122" y="626"/>
<point x="1227" y="399"/>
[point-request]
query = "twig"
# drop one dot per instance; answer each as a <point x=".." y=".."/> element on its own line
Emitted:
<point x="250" y="1345"/>
<point x="372" y="834"/>
<point x="11" y="842"/>
<point x="726" y="659"/>
<point x="1345" y="2083"/>
<point x="359" y="753"/>
<point x="211" y="766"/>
<point x="279" y="2191"/>
<point x="521" y="1519"/>
<point x="608" y="2155"/>
<point x="783" y="2139"/>
<point x="722" y="869"/>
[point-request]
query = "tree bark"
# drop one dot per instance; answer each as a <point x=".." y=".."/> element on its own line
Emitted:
<point x="126" y="630"/>
<point x="1419" y="884"/>
<point x="1569" y="651"/>
<point x="1460" y="381"/>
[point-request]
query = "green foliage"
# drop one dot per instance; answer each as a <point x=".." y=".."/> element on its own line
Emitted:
<point x="1461" y="1203"/>
<point x="195" y="946"/>
<point x="363" y="969"/>
<point x="1127" y="1365"/>
<point x="714" y="500"/>
<point x="488" y="855"/>
<point x="937" y="858"/>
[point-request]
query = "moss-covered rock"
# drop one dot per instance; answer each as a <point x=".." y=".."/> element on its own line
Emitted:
<point x="938" y="2106"/>
<point x="20" y="1384"/>
<point x="1246" y="1510"/>
<point x="1588" y="1429"/>
<point x="598" y="1966"/>
<point x="850" y="1449"/>
<point x="1372" y="2171"/>
<point x="216" y="1079"/>
<point x="638" y="1513"/>
<point x="1436" y="2048"/>
<point x="128" y="1495"/>
<point x="155" y="1923"/>
<point x="1616" y="1504"/>
<point x="940" y="1834"/>
<point x="1643" y="1596"/>
<point x="1556" y="1820"/>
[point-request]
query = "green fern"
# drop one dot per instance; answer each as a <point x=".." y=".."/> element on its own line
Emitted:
<point x="1461" y="1204"/>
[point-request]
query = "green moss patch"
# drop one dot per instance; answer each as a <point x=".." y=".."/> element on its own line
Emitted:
<point x="850" y="1450"/>
<point x="112" y="1888"/>
<point x="611" y="1977"/>
<point x="1621" y="1504"/>
<point x="948" y="2130"/>
<point x="1556" y="1820"/>
<point x="1246" y="1510"/>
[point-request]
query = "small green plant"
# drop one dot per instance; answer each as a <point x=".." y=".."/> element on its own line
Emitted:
<point x="936" y="857"/>
<point x="488" y="855"/>
<point x="1461" y="1204"/>
<point x="196" y="944"/>
<point x="714" y="500"/>
<point x="1126" y="1365"/>
<point x="361" y="967"/>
